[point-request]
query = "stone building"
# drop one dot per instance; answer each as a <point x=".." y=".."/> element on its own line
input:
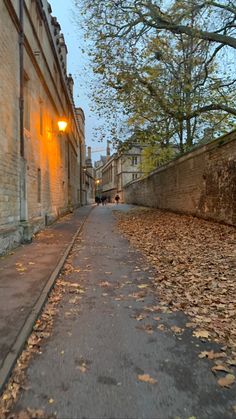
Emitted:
<point x="119" y="170"/>
<point x="88" y="180"/>
<point x="98" y="165"/>
<point x="40" y="168"/>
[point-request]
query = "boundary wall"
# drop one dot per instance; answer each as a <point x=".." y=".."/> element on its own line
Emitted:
<point x="201" y="183"/>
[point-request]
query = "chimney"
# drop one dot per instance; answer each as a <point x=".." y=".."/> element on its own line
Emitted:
<point x="70" y="83"/>
<point x="108" y="150"/>
<point x="89" y="158"/>
<point x="62" y="50"/>
<point x="89" y="153"/>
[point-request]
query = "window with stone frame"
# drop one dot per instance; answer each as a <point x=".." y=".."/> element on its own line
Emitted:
<point x="134" y="176"/>
<point x="134" y="160"/>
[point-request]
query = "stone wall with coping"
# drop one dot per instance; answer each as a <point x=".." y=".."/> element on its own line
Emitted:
<point x="201" y="182"/>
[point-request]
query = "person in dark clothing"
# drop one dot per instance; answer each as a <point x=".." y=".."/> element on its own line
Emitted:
<point x="97" y="200"/>
<point x="117" y="198"/>
<point x="104" y="200"/>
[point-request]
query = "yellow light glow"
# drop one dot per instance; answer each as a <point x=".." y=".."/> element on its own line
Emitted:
<point x="97" y="181"/>
<point x="62" y="125"/>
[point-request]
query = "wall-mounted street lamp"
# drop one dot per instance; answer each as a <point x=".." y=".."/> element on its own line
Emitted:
<point x="62" y="125"/>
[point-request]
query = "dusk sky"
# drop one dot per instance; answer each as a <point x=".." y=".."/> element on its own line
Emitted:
<point x="77" y="65"/>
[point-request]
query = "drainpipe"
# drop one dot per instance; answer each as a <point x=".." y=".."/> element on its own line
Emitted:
<point x="21" y="53"/>
<point x="27" y="230"/>
<point x="81" y="173"/>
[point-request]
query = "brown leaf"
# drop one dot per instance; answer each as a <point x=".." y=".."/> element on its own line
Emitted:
<point x="105" y="284"/>
<point x="212" y="354"/>
<point x="231" y="362"/>
<point x="140" y="317"/>
<point x="177" y="330"/>
<point x="146" y="378"/>
<point x="201" y="334"/>
<point x="161" y="327"/>
<point x="226" y="381"/>
<point x="221" y="367"/>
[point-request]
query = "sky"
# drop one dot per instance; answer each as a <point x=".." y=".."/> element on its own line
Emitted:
<point x="77" y="65"/>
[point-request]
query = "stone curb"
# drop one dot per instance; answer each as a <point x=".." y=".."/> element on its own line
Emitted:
<point x="15" y="351"/>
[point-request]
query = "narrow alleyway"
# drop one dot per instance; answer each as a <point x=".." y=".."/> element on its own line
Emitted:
<point x="104" y="358"/>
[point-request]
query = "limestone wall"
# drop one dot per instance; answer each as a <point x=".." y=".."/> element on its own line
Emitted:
<point x="202" y="183"/>
<point x="44" y="183"/>
<point x="9" y="126"/>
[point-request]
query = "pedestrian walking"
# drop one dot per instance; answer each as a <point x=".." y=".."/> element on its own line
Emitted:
<point x="104" y="200"/>
<point x="97" y="200"/>
<point x="117" y="199"/>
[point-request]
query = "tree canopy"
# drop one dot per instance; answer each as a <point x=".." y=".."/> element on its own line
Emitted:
<point x="159" y="65"/>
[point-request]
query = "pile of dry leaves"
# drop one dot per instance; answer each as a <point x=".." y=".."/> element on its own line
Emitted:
<point x="195" y="263"/>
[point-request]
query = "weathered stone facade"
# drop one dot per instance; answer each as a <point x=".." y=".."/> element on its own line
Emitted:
<point x="120" y="169"/>
<point x="40" y="169"/>
<point x="201" y="183"/>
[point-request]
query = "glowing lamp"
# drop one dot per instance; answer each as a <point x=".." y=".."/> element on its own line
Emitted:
<point x="62" y="124"/>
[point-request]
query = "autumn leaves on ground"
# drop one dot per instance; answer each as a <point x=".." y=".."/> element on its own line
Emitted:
<point x="195" y="263"/>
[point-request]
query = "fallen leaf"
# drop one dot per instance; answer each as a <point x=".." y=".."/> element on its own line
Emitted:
<point x="148" y="328"/>
<point x="140" y="317"/>
<point x="221" y="367"/>
<point x="146" y="378"/>
<point x="161" y="327"/>
<point x="212" y="354"/>
<point x="177" y="329"/>
<point x="143" y="286"/>
<point x="226" y="381"/>
<point x="201" y="334"/>
<point x="231" y="362"/>
<point x="105" y="284"/>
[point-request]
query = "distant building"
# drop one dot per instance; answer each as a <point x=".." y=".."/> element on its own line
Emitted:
<point x="109" y="178"/>
<point x="118" y="170"/>
<point x="98" y="165"/>
<point x="88" y="180"/>
<point x="40" y="169"/>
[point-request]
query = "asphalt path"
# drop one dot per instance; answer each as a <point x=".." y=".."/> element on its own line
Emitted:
<point x="107" y="356"/>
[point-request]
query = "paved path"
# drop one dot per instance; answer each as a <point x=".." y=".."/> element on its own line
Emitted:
<point x="91" y="365"/>
<point x="23" y="275"/>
